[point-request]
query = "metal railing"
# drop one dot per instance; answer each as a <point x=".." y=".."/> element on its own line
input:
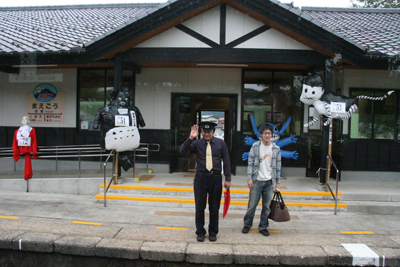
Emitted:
<point x="144" y="149"/>
<point x="105" y="179"/>
<point x="69" y="151"/>
<point x="329" y="163"/>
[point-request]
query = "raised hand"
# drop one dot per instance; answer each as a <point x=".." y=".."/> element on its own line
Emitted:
<point x="194" y="132"/>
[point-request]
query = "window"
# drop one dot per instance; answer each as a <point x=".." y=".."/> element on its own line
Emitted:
<point x="95" y="87"/>
<point x="272" y="97"/>
<point x="374" y="119"/>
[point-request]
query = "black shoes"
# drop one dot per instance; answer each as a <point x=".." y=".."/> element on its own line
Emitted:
<point x="245" y="230"/>
<point x="264" y="232"/>
<point x="212" y="238"/>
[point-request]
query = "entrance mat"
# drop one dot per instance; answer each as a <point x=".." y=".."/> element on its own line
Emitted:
<point x="146" y="177"/>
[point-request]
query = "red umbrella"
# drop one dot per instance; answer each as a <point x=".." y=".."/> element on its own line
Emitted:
<point x="227" y="201"/>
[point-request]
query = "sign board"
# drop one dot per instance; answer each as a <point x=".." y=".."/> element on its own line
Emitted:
<point x="49" y="112"/>
<point x="338" y="108"/>
<point x="31" y="76"/>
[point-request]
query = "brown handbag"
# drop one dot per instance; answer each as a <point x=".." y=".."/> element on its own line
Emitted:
<point x="279" y="212"/>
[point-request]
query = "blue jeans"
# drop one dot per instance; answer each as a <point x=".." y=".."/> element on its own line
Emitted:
<point x="207" y="185"/>
<point x="264" y="189"/>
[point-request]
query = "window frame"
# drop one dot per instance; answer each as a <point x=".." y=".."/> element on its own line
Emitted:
<point x="78" y="107"/>
<point x="396" y="112"/>
<point x="273" y="89"/>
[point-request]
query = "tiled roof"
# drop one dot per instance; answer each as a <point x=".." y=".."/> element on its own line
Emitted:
<point x="62" y="28"/>
<point x="71" y="28"/>
<point x="377" y="30"/>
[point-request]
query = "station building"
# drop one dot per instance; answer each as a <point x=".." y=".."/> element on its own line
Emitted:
<point x="184" y="60"/>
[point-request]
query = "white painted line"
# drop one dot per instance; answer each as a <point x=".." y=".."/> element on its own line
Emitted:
<point x="362" y="255"/>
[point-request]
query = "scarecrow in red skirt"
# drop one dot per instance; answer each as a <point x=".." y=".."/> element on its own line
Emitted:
<point x="25" y="143"/>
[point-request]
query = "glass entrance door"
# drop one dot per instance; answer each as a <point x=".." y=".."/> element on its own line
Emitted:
<point x="189" y="109"/>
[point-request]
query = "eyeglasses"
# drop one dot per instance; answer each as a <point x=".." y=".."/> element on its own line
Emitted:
<point x="266" y="133"/>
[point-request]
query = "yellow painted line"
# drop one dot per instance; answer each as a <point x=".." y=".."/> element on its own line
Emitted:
<point x="306" y="193"/>
<point x="233" y="202"/>
<point x="9" y="217"/>
<point x="233" y="191"/>
<point x="315" y="204"/>
<point x="91" y="223"/>
<point x="296" y="204"/>
<point x="172" y="228"/>
<point x="292" y="193"/>
<point x="150" y="199"/>
<point x="135" y="187"/>
<point x="271" y="231"/>
<point x="357" y="232"/>
<point x="274" y="231"/>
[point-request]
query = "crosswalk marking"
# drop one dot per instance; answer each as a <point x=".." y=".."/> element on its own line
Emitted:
<point x="362" y="255"/>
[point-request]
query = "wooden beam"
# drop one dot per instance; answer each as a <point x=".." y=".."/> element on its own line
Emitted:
<point x="197" y="35"/>
<point x="225" y="56"/>
<point x="248" y="36"/>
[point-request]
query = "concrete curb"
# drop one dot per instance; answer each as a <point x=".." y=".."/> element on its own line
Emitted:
<point x="35" y="242"/>
<point x="77" y="245"/>
<point x="196" y="253"/>
<point x="119" y="248"/>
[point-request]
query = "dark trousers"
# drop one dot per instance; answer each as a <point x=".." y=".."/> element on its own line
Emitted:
<point x="211" y="185"/>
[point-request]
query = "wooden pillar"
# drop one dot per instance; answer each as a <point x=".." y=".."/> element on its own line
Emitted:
<point x="117" y="72"/>
<point x="325" y="129"/>
<point x="117" y="87"/>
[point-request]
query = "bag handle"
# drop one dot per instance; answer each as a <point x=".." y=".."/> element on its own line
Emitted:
<point x="278" y="197"/>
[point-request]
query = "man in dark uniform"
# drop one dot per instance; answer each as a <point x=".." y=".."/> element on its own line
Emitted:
<point x="210" y="152"/>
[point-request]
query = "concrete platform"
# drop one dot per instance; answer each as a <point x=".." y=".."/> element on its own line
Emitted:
<point x="72" y="225"/>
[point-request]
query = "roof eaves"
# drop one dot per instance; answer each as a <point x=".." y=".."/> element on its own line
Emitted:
<point x="29" y="8"/>
<point x="123" y="25"/>
<point x="330" y="30"/>
<point x="351" y="9"/>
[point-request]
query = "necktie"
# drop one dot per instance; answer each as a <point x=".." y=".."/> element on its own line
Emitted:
<point x="209" y="164"/>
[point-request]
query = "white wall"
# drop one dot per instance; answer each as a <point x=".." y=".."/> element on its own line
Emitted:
<point x="238" y="24"/>
<point x="154" y="88"/>
<point x="13" y="98"/>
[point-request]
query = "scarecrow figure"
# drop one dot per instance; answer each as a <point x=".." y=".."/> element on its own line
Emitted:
<point x="25" y="143"/>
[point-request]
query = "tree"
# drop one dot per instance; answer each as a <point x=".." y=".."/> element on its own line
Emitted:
<point x="376" y="3"/>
